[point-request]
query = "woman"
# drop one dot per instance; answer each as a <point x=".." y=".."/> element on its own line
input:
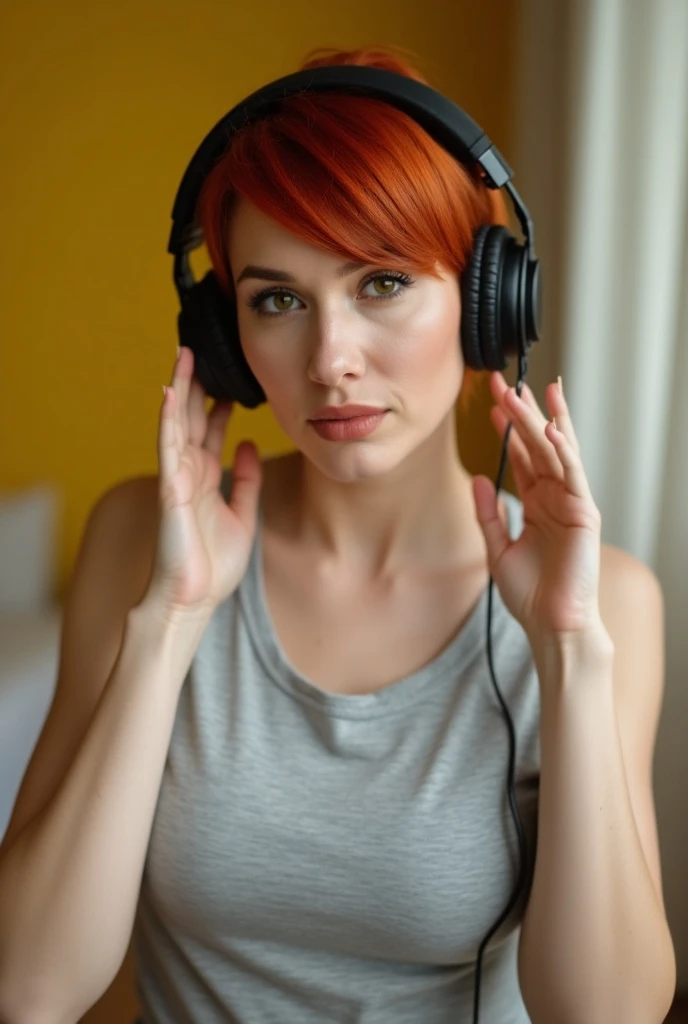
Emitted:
<point x="274" y="746"/>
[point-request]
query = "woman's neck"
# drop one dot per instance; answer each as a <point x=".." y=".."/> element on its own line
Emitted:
<point x="420" y="516"/>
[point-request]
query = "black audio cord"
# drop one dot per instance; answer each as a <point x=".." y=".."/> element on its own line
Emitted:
<point x="512" y="739"/>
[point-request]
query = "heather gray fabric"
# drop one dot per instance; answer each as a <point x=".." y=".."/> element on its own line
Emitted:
<point x="320" y="858"/>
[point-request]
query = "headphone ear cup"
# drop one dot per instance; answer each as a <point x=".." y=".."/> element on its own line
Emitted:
<point x="493" y="267"/>
<point x="491" y="327"/>
<point x="207" y="324"/>
<point x="470" y="304"/>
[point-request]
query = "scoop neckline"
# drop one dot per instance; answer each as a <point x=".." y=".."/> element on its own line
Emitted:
<point x="466" y="644"/>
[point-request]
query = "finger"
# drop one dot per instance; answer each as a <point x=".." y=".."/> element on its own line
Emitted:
<point x="217" y="428"/>
<point x="168" y="446"/>
<point x="246" y="481"/>
<point x="518" y="453"/>
<point x="183" y="372"/>
<point x="560" y="411"/>
<point x="524" y="455"/>
<point x="498" y="385"/>
<point x="532" y="402"/>
<point x="531" y="429"/>
<point x="500" y="389"/>
<point x="575" y="477"/>
<point x="196" y="413"/>
<point x="491" y="521"/>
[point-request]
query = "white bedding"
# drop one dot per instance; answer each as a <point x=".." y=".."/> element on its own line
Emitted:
<point x="29" y="656"/>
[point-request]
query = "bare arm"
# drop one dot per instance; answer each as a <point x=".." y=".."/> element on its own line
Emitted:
<point x="79" y="862"/>
<point x="158" y="556"/>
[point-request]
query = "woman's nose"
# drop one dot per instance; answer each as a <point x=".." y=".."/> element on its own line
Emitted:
<point x="335" y="351"/>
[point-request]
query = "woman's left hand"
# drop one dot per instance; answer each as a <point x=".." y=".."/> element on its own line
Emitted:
<point x="549" y="577"/>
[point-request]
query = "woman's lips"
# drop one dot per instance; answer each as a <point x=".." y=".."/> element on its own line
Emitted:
<point x="350" y="429"/>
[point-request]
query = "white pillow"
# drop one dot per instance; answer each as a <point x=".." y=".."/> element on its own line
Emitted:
<point x="28" y="548"/>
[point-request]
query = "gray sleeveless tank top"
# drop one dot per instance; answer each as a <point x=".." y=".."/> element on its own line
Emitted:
<point x="318" y="857"/>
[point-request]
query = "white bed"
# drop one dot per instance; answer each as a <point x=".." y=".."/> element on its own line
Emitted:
<point x="30" y="619"/>
<point x="29" y="650"/>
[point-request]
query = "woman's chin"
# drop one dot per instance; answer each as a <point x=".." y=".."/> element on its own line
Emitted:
<point x="349" y="463"/>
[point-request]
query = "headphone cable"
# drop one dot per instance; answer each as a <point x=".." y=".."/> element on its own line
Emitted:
<point x="512" y="744"/>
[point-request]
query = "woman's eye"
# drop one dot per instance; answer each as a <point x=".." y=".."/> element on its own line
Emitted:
<point x="391" y="285"/>
<point x="257" y="302"/>
<point x="281" y="297"/>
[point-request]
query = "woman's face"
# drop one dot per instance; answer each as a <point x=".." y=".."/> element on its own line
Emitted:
<point x="325" y="335"/>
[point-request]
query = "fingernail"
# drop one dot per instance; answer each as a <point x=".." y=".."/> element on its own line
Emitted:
<point x="164" y="391"/>
<point x="561" y="386"/>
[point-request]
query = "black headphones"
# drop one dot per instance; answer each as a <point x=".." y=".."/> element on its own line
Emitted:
<point x="500" y="287"/>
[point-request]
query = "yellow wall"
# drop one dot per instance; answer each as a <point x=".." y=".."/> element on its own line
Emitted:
<point x="104" y="104"/>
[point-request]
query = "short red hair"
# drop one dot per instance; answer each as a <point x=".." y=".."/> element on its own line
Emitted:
<point x="355" y="176"/>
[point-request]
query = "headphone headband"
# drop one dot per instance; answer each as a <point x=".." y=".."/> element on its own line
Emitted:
<point x="447" y="123"/>
<point x="500" y="285"/>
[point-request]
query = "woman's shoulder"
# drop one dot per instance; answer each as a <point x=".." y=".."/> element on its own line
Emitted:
<point x="132" y="505"/>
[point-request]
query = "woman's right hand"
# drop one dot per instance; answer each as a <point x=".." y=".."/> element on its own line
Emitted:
<point x="204" y="542"/>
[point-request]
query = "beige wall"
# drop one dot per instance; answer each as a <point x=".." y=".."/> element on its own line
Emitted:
<point x="104" y="105"/>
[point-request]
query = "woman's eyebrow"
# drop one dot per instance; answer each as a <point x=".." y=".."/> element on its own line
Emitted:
<point x="270" y="274"/>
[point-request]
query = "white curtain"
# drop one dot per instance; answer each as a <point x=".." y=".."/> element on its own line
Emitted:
<point x="601" y="159"/>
